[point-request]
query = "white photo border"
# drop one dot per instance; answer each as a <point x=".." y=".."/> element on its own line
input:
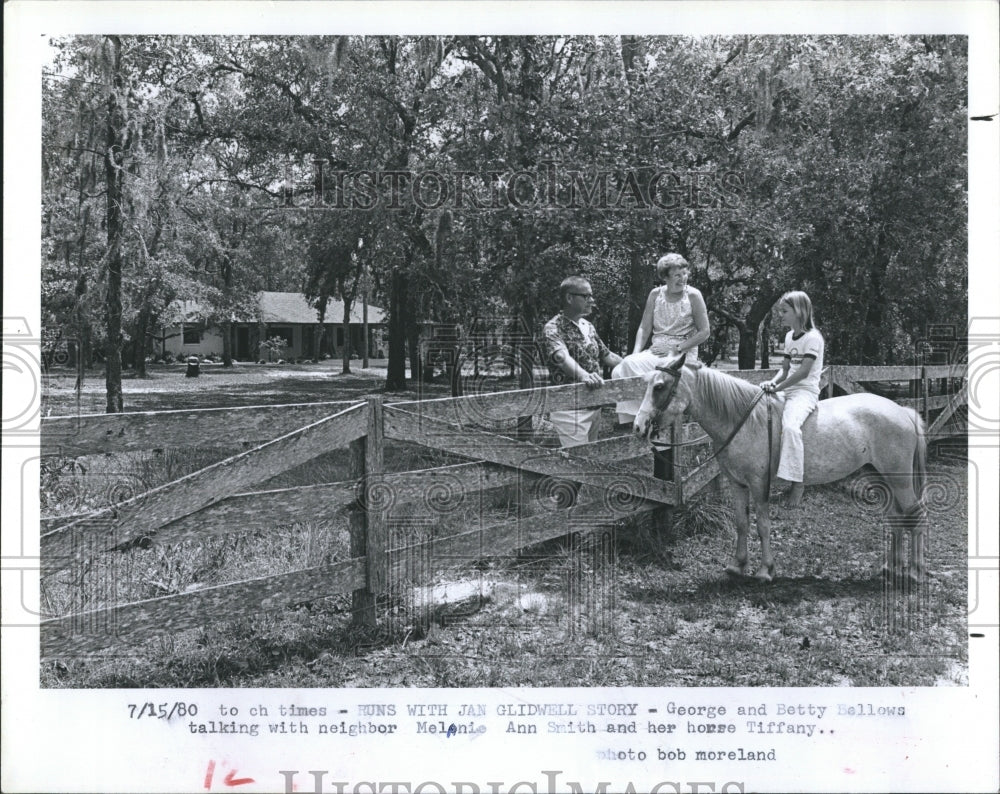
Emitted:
<point x="59" y="740"/>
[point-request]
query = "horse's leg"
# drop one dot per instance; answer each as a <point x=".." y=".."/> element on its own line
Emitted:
<point x="914" y="520"/>
<point x="741" y="503"/>
<point x="892" y="569"/>
<point x="794" y="496"/>
<point x="905" y="514"/>
<point x="766" y="571"/>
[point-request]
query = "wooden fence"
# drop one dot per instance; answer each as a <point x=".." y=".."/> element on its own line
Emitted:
<point x="269" y="440"/>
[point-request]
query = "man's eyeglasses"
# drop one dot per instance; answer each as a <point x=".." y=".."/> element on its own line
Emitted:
<point x="585" y="295"/>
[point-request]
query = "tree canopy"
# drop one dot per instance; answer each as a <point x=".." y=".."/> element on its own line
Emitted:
<point x="464" y="177"/>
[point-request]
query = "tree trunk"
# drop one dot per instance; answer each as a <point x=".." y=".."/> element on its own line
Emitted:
<point x="83" y="355"/>
<point x="82" y="326"/>
<point x="750" y="331"/>
<point x="510" y="340"/>
<point x="411" y="325"/>
<point x="426" y="361"/>
<point x="227" y="343"/>
<point x="317" y="341"/>
<point x="364" y="326"/>
<point x="639" y="282"/>
<point x="254" y="338"/>
<point x="413" y="352"/>
<point x="526" y="364"/>
<point x="139" y="343"/>
<point x="455" y="372"/>
<point x="638" y="288"/>
<point x="396" y="376"/>
<point x="113" y="168"/>
<point x="227" y="325"/>
<point x="872" y="350"/>
<point x="765" y="343"/>
<point x="452" y="364"/>
<point x="747" y="352"/>
<point x="346" y="351"/>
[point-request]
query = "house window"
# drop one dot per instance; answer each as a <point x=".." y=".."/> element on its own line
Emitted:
<point x="284" y="331"/>
<point x="192" y="334"/>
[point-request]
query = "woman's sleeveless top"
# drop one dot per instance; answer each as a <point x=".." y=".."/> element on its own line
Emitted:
<point x="672" y="322"/>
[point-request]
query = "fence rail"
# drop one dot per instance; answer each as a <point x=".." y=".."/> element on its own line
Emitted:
<point x="215" y="428"/>
<point x="143" y="515"/>
<point x="219" y="499"/>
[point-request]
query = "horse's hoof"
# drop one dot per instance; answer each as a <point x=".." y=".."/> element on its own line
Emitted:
<point x="765" y="574"/>
<point x="736" y="571"/>
<point x="785" y="500"/>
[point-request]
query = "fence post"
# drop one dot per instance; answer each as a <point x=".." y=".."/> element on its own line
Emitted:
<point x="676" y="445"/>
<point x="367" y="523"/>
<point x="924" y="387"/>
<point x="663" y="469"/>
<point x="830" y="381"/>
<point x="915" y="387"/>
<point x="362" y="601"/>
<point x="377" y="505"/>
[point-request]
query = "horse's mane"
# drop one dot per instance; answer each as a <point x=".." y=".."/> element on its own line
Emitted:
<point x="728" y="396"/>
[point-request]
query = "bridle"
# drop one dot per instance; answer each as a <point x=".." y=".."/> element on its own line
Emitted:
<point x="675" y="373"/>
<point x="659" y="445"/>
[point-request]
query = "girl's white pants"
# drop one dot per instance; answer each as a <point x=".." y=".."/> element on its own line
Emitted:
<point x="799" y="403"/>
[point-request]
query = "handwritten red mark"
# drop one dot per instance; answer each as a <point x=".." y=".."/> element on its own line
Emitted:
<point x="231" y="780"/>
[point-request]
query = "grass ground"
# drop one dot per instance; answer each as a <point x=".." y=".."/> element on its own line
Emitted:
<point x="640" y="605"/>
<point x="167" y="388"/>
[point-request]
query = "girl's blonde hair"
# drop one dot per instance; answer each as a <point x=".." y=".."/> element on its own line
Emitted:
<point x="802" y="306"/>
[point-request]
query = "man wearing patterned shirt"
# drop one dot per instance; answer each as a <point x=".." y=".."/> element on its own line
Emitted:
<point x="574" y="353"/>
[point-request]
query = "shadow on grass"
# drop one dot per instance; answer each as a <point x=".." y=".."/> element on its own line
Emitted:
<point x="783" y="590"/>
<point x="279" y="649"/>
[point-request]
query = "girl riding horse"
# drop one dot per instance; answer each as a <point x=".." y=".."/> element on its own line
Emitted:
<point x="841" y="436"/>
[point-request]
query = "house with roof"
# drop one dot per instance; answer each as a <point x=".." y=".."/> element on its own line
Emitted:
<point x="285" y="315"/>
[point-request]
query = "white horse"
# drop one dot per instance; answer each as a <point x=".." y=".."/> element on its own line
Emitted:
<point x="841" y="436"/>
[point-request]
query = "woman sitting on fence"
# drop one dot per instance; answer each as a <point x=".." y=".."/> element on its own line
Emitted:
<point x="675" y="321"/>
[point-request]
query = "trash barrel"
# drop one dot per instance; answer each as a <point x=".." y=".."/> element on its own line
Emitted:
<point x="193" y="367"/>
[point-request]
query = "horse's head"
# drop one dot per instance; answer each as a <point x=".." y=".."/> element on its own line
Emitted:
<point x="668" y="393"/>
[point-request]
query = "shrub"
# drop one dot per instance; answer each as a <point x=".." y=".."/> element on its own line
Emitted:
<point x="704" y="516"/>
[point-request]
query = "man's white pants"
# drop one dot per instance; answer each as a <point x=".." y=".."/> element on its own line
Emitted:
<point x="799" y="403"/>
<point x="576" y="427"/>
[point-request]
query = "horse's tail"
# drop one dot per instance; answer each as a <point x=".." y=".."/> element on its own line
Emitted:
<point x="919" y="458"/>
